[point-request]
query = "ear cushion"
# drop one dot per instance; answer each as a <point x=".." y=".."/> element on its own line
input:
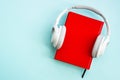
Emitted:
<point x="97" y="48"/>
<point x="55" y="35"/>
<point x="61" y="37"/>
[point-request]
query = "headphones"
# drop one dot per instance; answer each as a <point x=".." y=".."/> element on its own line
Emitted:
<point x="58" y="33"/>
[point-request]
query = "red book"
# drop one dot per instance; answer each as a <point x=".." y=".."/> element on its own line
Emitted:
<point x="81" y="33"/>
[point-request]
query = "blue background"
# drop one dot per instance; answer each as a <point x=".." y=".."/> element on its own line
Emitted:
<point x="25" y="49"/>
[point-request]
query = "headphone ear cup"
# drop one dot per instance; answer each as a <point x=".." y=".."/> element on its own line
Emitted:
<point x="55" y="35"/>
<point x="97" y="48"/>
<point x="61" y="37"/>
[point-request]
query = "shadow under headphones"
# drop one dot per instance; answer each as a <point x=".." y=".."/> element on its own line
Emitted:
<point x="58" y="33"/>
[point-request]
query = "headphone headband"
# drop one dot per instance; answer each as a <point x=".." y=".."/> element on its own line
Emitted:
<point x="87" y="8"/>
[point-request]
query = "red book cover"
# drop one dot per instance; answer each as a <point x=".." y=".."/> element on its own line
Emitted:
<point x="81" y="33"/>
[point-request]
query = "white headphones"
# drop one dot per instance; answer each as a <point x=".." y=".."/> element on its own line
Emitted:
<point x="58" y="33"/>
